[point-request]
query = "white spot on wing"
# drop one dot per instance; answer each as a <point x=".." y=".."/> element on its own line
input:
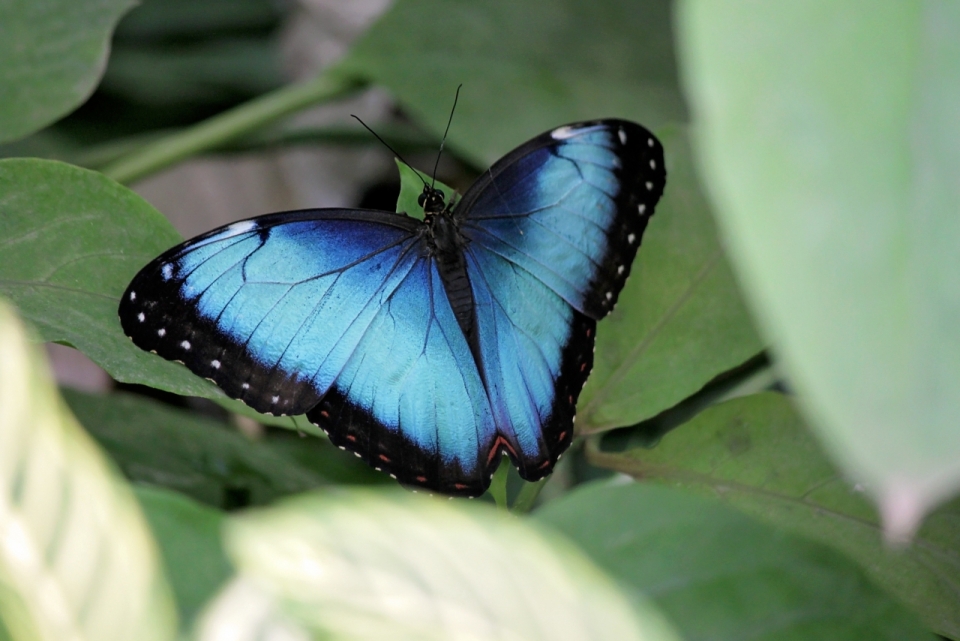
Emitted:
<point x="167" y="271"/>
<point x="185" y="344"/>
<point x="653" y="164"/>
<point x="161" y="332"/>
<point x="631" y="238"/>
<point x="649" y="142"/>
<point x="619" y="270"/>
<point x="642" y="208"/>
<point x="133" y="295"/>
<point x="275" y="399"/>
<point x="141" y="317"/>
<point x="245" y="386"/>
<point x="623" y="136"/>
<point x="562" y="133"/>
<point x="649" y="185"/>
<point x="215" y="363"/>
<point x="239" y="228"/>
<point x="609" y="295"/>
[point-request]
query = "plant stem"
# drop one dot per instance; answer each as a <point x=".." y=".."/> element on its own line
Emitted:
<point x="527" y="496"/>
<point x="230" y="124"/>
<point x="498" y="485"/>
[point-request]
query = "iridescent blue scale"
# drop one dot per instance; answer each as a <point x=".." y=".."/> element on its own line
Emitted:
<point x="426" y="347"/>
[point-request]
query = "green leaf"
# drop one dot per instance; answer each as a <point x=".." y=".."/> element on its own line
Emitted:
<point x="359" y="565"/>
<point x="190" y="543"/>
<point x="155" y="444"/>
<point x="679" y="321"/>
<point x="411" y="186"/>
<point x="52" y="53"/>
<point x="526" y="66"/>
<point x="720" y="575"/>
<point x="71" y="241"/>
<point x="200" y="457"/>
<point x="828" y="137"/>
<point x="757" y="455"/>
<point x="76" y="557"/>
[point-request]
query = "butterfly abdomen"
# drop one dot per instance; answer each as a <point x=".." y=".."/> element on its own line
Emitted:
<point x="447" y="244"/>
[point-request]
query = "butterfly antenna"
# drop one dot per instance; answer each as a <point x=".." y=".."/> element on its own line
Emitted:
<point x="395" y="152"/>
<point x="445" y="132"/>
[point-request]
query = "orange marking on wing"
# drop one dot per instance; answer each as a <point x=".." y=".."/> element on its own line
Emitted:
<point x="421" y="479"/>
<point x="351" y="438"/>
<point x="495" y="449"/>
<point x="324" y="413"/>
<point x="384" y="458"/>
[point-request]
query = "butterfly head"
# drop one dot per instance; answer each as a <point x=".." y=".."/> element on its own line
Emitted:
<point x="432" y="200"/>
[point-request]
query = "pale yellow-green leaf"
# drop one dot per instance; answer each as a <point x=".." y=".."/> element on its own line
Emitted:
<point x="77" y="562"/>
<point x="364" y="565"/>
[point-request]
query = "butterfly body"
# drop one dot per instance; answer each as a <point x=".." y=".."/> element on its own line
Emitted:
<point x="425" y="347"/>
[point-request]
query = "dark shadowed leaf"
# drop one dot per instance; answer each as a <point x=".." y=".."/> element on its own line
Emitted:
<point x="188" y="535"/>
<point x="206" y="459"/>
<point x="721" y="576"/>
<point x="756" y="454"/>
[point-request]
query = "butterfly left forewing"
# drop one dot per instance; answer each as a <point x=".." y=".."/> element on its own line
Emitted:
<point x="270" y="309"/>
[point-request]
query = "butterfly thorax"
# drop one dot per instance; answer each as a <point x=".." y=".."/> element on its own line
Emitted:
<point x="445" y="244"/>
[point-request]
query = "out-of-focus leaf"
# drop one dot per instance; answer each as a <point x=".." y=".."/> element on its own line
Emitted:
<point x="52" y="53"/>
<point x="221" y="71"/>
<point x="827" y="136"/>
<point x="176" y="20"/>
<point x="190" y="544"/>
<point x="756" y="454"/>
<point x="159" y="445"/>
<point x="357" y="565"/>
<point x="76" y="557"/>
<point x="526" y="66"/>
<point x="719" y="575"/>
<point x="679" y="321"/>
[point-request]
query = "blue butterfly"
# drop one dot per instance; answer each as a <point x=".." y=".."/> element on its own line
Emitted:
<point x="425" y="347"/>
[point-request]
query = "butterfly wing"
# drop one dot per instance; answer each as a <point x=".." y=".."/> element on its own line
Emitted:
<point x="270" y="308"/>
<point x="340" y="305"/>
<point x="410" y="401"/>
<point x="553" y="229"/>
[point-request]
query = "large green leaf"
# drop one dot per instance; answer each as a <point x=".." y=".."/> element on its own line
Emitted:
<point x="190" y="543"/>
<point x="358" y="565"/>
<point x="756" y="454"/>
<point x="52" y="53"/>
<point x="526" y="66"/>
<point x="679" y="321"/>
<point x="76" y="557"/>
<point x="70" y="241"/>
<point x="720" y="575"/>
<point x="828" y="137"/>
<point x="205" y="459"/>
